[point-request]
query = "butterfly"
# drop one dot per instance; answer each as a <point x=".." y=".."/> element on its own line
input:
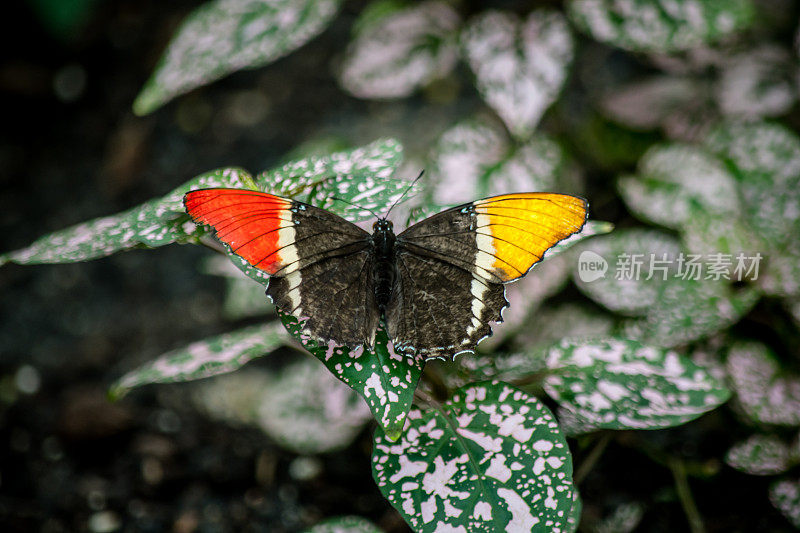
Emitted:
<point x="435" y="286"/>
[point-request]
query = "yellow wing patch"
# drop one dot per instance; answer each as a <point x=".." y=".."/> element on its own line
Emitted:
<point x="515" y="230"/>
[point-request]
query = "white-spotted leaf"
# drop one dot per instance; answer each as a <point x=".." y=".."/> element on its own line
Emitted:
<point x="490" y="459"/>
<point x="617" y="383"/>
<point x="687" y="310"/>
<point x="301" y="407"/>
<point x="401" y="50"/>
<point x="307" y="410"/>
<point x="385" y="379"/>
<point x="765" y="159"/>
<point x="550" y="325"/>
<point x="759" y="455"/>
<point x="474" y="159"/>
<point x="202" y="359"/>
<point x="785" y="496"/>
<point x="757" y="83"/>
<point x="463" y="155"/>
<point x="525" y="296"/>
<point x="709" y="233"/>
<point x="574" y="518"/>
<point x="152" y="224"/>
<point x="624" y="271"/>
<point x="766" y="395"/>
<point x="364" y="176"/>
<point x="243" y="297"/>
<point x="661" y="25"/>
<point x="672" y="178"/>
<point x="624" y="519"/>
<point x="345" y="524"/>
<point x="519" y="65"/>
<point x="651" y="103"/>
<point x="223" y="36"/>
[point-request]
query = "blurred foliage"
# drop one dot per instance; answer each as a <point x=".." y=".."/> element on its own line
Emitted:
<point x="677" y="119"/>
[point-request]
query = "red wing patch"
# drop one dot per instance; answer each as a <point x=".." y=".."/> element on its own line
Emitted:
<point x="257" y="226"/>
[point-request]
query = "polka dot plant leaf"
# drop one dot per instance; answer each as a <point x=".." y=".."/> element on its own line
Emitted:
<point x="363" y="176"/>
<point x="660" y="26"/>
<point x="490" y="459"/>
<point x="223" y="36"/>
<point x="520" y="66"/>
<point x="383" y="378"/>
<point x="152" y="224"/>
<point x="616" y="383"/>
<point x="345" y="524"/>
<point x="205" y="358"/>
<point x="399" y="50"/>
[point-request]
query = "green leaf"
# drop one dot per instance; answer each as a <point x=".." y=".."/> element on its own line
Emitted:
<point x="475" y="159"/>
<point x="707" y="233"/>
<point x="399" y="50"/>
<point x="686" y="310"/>
<point x="462" y="156"/>
<point x="209" y="357"/>
<point x="781" y="275"/>
<point x="569" y="320"/>
<point x="243" y="297"/>
<point x="490" y="459"/>
<point x="765" y="394"/>
<point x="785" y="496"/>
<point x="590" y="229"/>
<point x="227" y="177"/>
<point x="762" y="154"/>
<point x="672" y="178"/>
<point x="362" y="175"/>
<point x="345" y="524"/>
<point x="525" y="296"/>
<point x="137" y="227"/>
<point x="223" y="36"/>
<point x="152" y="224"/>
<point x="383" y="378"/>
<point x="574" y="518"/>
<point x="520" y="66"/>
<point x="306" y="410"/>
<point x="757" y="83"/>
<point x="765" y="158"/>
<point x="301" y="407"/>
<point x="652" y="102"/>
<point x="617" y="383"/>
<point x="624" y="519"/>
<point x="661" y="26"/>
<point x="619" y="281"/>
<point x="759" y="455"/>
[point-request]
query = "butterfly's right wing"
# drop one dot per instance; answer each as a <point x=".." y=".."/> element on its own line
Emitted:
<point x="452" y="267"/>
<point x="320" y="264"/>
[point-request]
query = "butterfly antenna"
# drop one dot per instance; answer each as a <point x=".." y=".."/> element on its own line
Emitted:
<point x="405" y="192"/>
<point x="356" y="205"/>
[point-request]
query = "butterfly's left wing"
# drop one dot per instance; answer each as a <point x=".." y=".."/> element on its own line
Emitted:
<point x="452" y="267"/>
<point x="320" y="264"/>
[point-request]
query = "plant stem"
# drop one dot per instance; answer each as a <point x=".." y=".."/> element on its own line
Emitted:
<point x="591" y="459"/>
<point x="685" y="496"/>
